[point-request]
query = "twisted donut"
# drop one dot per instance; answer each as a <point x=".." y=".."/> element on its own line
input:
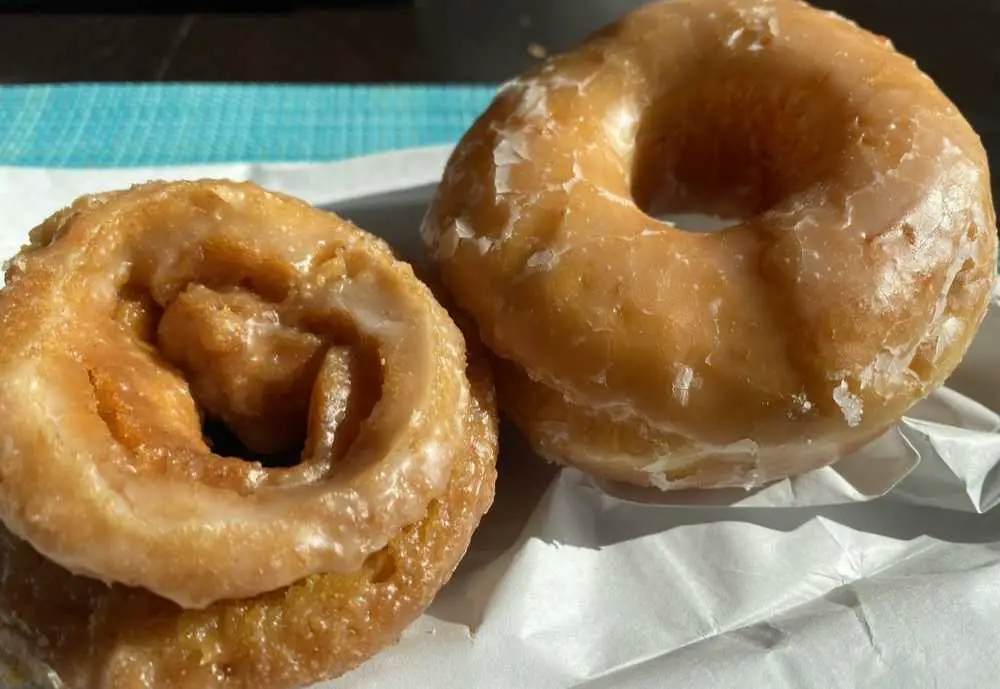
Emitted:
<point x="130" y="317"/>
<point x="856" y="276"/>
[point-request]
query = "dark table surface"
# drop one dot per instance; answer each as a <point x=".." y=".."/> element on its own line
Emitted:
<point x="955" y="41"/>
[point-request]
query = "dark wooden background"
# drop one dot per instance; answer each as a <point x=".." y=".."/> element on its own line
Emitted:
<point x="956" y="41"/>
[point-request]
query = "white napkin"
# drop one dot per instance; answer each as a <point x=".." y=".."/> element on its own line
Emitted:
<point x="880" y="571"/>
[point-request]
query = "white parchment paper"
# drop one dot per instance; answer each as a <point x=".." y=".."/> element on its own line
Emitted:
<point x="882" y="571"/>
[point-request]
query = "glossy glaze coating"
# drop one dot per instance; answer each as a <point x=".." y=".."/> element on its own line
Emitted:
<point x="71" y="632"/>
<point x="858" y="270"/>
<point x="132" y="317"/>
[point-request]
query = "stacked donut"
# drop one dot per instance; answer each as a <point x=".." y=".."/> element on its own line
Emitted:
<point x="243" y="445"/>
<point x="136" y="552"/>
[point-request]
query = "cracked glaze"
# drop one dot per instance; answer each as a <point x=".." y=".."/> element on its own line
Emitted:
<point x="850" y="288"/>
<point x="133" y="314"/>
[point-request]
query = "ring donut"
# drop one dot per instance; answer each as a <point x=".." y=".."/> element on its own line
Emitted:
<point x="134" y="555"/>
<point x="857" y="272"/>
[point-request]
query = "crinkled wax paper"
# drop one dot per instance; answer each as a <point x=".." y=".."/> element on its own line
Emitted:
<point x="881" y="571"/>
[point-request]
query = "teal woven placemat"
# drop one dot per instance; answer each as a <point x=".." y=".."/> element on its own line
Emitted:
<point x="90" y="125"/>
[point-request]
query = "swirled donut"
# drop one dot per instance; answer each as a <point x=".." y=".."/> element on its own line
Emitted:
<point x="132" y="555"/>
<point x="855" y="275"/>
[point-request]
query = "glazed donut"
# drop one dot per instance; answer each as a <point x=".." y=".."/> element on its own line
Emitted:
<point x="134" y="556"/>
<point x="857" y="271"/>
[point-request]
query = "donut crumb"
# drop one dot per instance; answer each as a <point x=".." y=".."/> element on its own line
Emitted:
<point x="537" y="51"/>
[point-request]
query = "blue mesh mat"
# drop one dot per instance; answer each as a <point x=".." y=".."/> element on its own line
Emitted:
<point x="90" y="125"/>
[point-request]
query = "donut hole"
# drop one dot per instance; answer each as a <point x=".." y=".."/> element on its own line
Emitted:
<point x="738" y="137"/>
<point x="226" y="443"/>
<point x="255" y="378"/>
<point x="261" y="381"/>
<point x="244" y="367"/>
<point x="250" y="378"/>
<point x="212" y="318"/>
<point x="311" y="411"/>
<point x="309" y="408"/>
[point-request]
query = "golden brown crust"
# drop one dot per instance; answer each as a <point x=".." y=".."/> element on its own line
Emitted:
<point x="117" y="638"/>
<point x="857" y="275"/>
<point x="254" y="299"/>
<point x="136" y="314"/>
